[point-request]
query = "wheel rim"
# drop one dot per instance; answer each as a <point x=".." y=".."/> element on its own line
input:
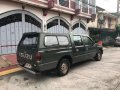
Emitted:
<point x="64" y="68"/>
<point x="99" y="56"/>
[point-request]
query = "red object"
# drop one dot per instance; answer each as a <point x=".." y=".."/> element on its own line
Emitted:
<point x="12" y="58"/>
<point x="100" y="43"/>
<point x="38" y="56"/>
<point x="77" y="11"/>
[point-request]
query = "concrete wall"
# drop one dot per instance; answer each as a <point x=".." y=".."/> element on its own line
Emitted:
<point x="94" y="23"/>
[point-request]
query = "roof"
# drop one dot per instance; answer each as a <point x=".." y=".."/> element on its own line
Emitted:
<point x="99" y="8"/>
<point x="108" y="14"/>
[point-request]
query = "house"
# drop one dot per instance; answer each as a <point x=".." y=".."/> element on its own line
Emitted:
<point x="109" y="20"/>
<point x="103" y="28"/>
<point x="53" y="16"/>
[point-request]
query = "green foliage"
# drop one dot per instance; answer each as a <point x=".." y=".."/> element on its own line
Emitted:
<point x="118" y="27"/>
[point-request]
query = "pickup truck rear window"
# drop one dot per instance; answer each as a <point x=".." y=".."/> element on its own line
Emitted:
<point x="29" y="40"/>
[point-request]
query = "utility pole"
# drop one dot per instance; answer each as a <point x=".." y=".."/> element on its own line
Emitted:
<point x="118" y="10"/>
<point x="118" y="13"/>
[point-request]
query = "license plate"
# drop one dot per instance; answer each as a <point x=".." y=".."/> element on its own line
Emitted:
<point x="27" y="65"/>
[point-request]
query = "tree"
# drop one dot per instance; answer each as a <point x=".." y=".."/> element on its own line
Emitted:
<point x="118" y="29"/>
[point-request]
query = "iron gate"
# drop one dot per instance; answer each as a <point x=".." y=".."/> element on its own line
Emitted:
<point x="12" y="25"/>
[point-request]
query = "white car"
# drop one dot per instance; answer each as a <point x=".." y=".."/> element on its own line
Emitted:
<point x="117" y="42"/>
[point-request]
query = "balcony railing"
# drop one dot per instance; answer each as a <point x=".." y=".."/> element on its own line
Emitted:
<point x="83" y="6"/>
<point x="87" y="7"/>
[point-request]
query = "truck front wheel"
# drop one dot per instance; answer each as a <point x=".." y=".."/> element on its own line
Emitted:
<point x="98" y="56"/>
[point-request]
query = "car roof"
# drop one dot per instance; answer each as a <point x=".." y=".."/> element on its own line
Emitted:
<point x="27" y="33"/>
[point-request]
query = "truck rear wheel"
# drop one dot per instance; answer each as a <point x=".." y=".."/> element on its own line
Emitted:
<point x="63" y="67"/>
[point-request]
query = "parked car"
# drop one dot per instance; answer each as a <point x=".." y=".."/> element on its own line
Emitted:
<point x="117" y="42"/>
<point x="39" y="52"/>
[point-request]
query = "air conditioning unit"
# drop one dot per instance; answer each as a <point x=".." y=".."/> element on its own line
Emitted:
<point x="50" y="4"/>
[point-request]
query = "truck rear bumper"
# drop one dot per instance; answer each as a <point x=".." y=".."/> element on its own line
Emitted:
<point x="31" y="71"/>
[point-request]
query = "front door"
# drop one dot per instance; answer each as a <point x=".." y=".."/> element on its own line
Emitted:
<point x="89" y="46"/>
<point x="79" y="49"/>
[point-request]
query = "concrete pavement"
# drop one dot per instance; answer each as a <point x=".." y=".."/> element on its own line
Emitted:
<point x="90" y="75"/>
<point x="8" y="64"/>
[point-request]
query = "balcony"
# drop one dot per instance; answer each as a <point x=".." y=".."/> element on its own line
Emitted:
<point x="74" y="7"/>
<point x="85" y="6"/>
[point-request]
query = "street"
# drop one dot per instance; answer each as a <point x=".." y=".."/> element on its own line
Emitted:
<point x="89" y="75"/>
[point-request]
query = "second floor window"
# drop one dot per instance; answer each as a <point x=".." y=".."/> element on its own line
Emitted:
<point x="64" y="3"/>
<point x="85" y="6"/>
<point x="92" y="7"/>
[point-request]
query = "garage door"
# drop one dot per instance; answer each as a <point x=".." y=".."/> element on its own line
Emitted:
<point x="12" y="25"/>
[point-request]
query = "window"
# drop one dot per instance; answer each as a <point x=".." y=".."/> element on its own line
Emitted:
<point x="11" y="19"/>
<point x="52" y="24"/>
<point x="32" y="20"/>
<point x="85" y="6"/>
<point x="64" y="3"/>
<point x="75" y="26"/>
<point x="87" y="41"/>
<point x="63" y="40"/>
<point x="62" y="23"/>
<point x="30" y="40"/>
<point x="77" y="40"/>
<point x="92" y="8"/>
<point x="82" y="26"/>
<point x="51" y="41"/>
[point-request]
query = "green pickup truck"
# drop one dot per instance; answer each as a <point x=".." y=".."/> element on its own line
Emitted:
<point x="39" y="52"/>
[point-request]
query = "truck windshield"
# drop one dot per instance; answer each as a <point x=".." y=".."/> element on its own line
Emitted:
<point x="29" y="40"/>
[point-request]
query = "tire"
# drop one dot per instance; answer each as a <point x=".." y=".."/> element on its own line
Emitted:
<point x="63" y="67"/>
<point x="98" y="56"/>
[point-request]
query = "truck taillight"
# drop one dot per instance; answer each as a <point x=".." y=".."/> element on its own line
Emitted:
<point x="38" y="56"/>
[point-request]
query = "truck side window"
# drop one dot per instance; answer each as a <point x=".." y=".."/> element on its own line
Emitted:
<point x="77" y="40"/>
<point x="63" y="40"/>
<point x="51" y="41"/>
<point x="87" y="41"/>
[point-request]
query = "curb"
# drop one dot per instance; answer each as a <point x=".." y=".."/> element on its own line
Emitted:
<point x="9" y="70"/>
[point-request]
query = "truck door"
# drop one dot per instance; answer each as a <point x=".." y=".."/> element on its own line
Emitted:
<point x="89" y="46"/>
<point x="78" y="49"/>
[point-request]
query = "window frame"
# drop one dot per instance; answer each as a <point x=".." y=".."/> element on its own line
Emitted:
<point x="81" y="41"/>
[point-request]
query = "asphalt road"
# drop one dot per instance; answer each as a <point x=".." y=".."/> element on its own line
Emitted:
<point x="90" y="75"/>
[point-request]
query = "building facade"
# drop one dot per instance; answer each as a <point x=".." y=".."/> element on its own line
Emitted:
<point x="109" y="22"/>
<point x="53" y="16"/>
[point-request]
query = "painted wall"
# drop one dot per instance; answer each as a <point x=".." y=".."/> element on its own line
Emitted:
<point x="94" y="23"/>
<point x="8" y="6"/>
<point x="105" y="25"/>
